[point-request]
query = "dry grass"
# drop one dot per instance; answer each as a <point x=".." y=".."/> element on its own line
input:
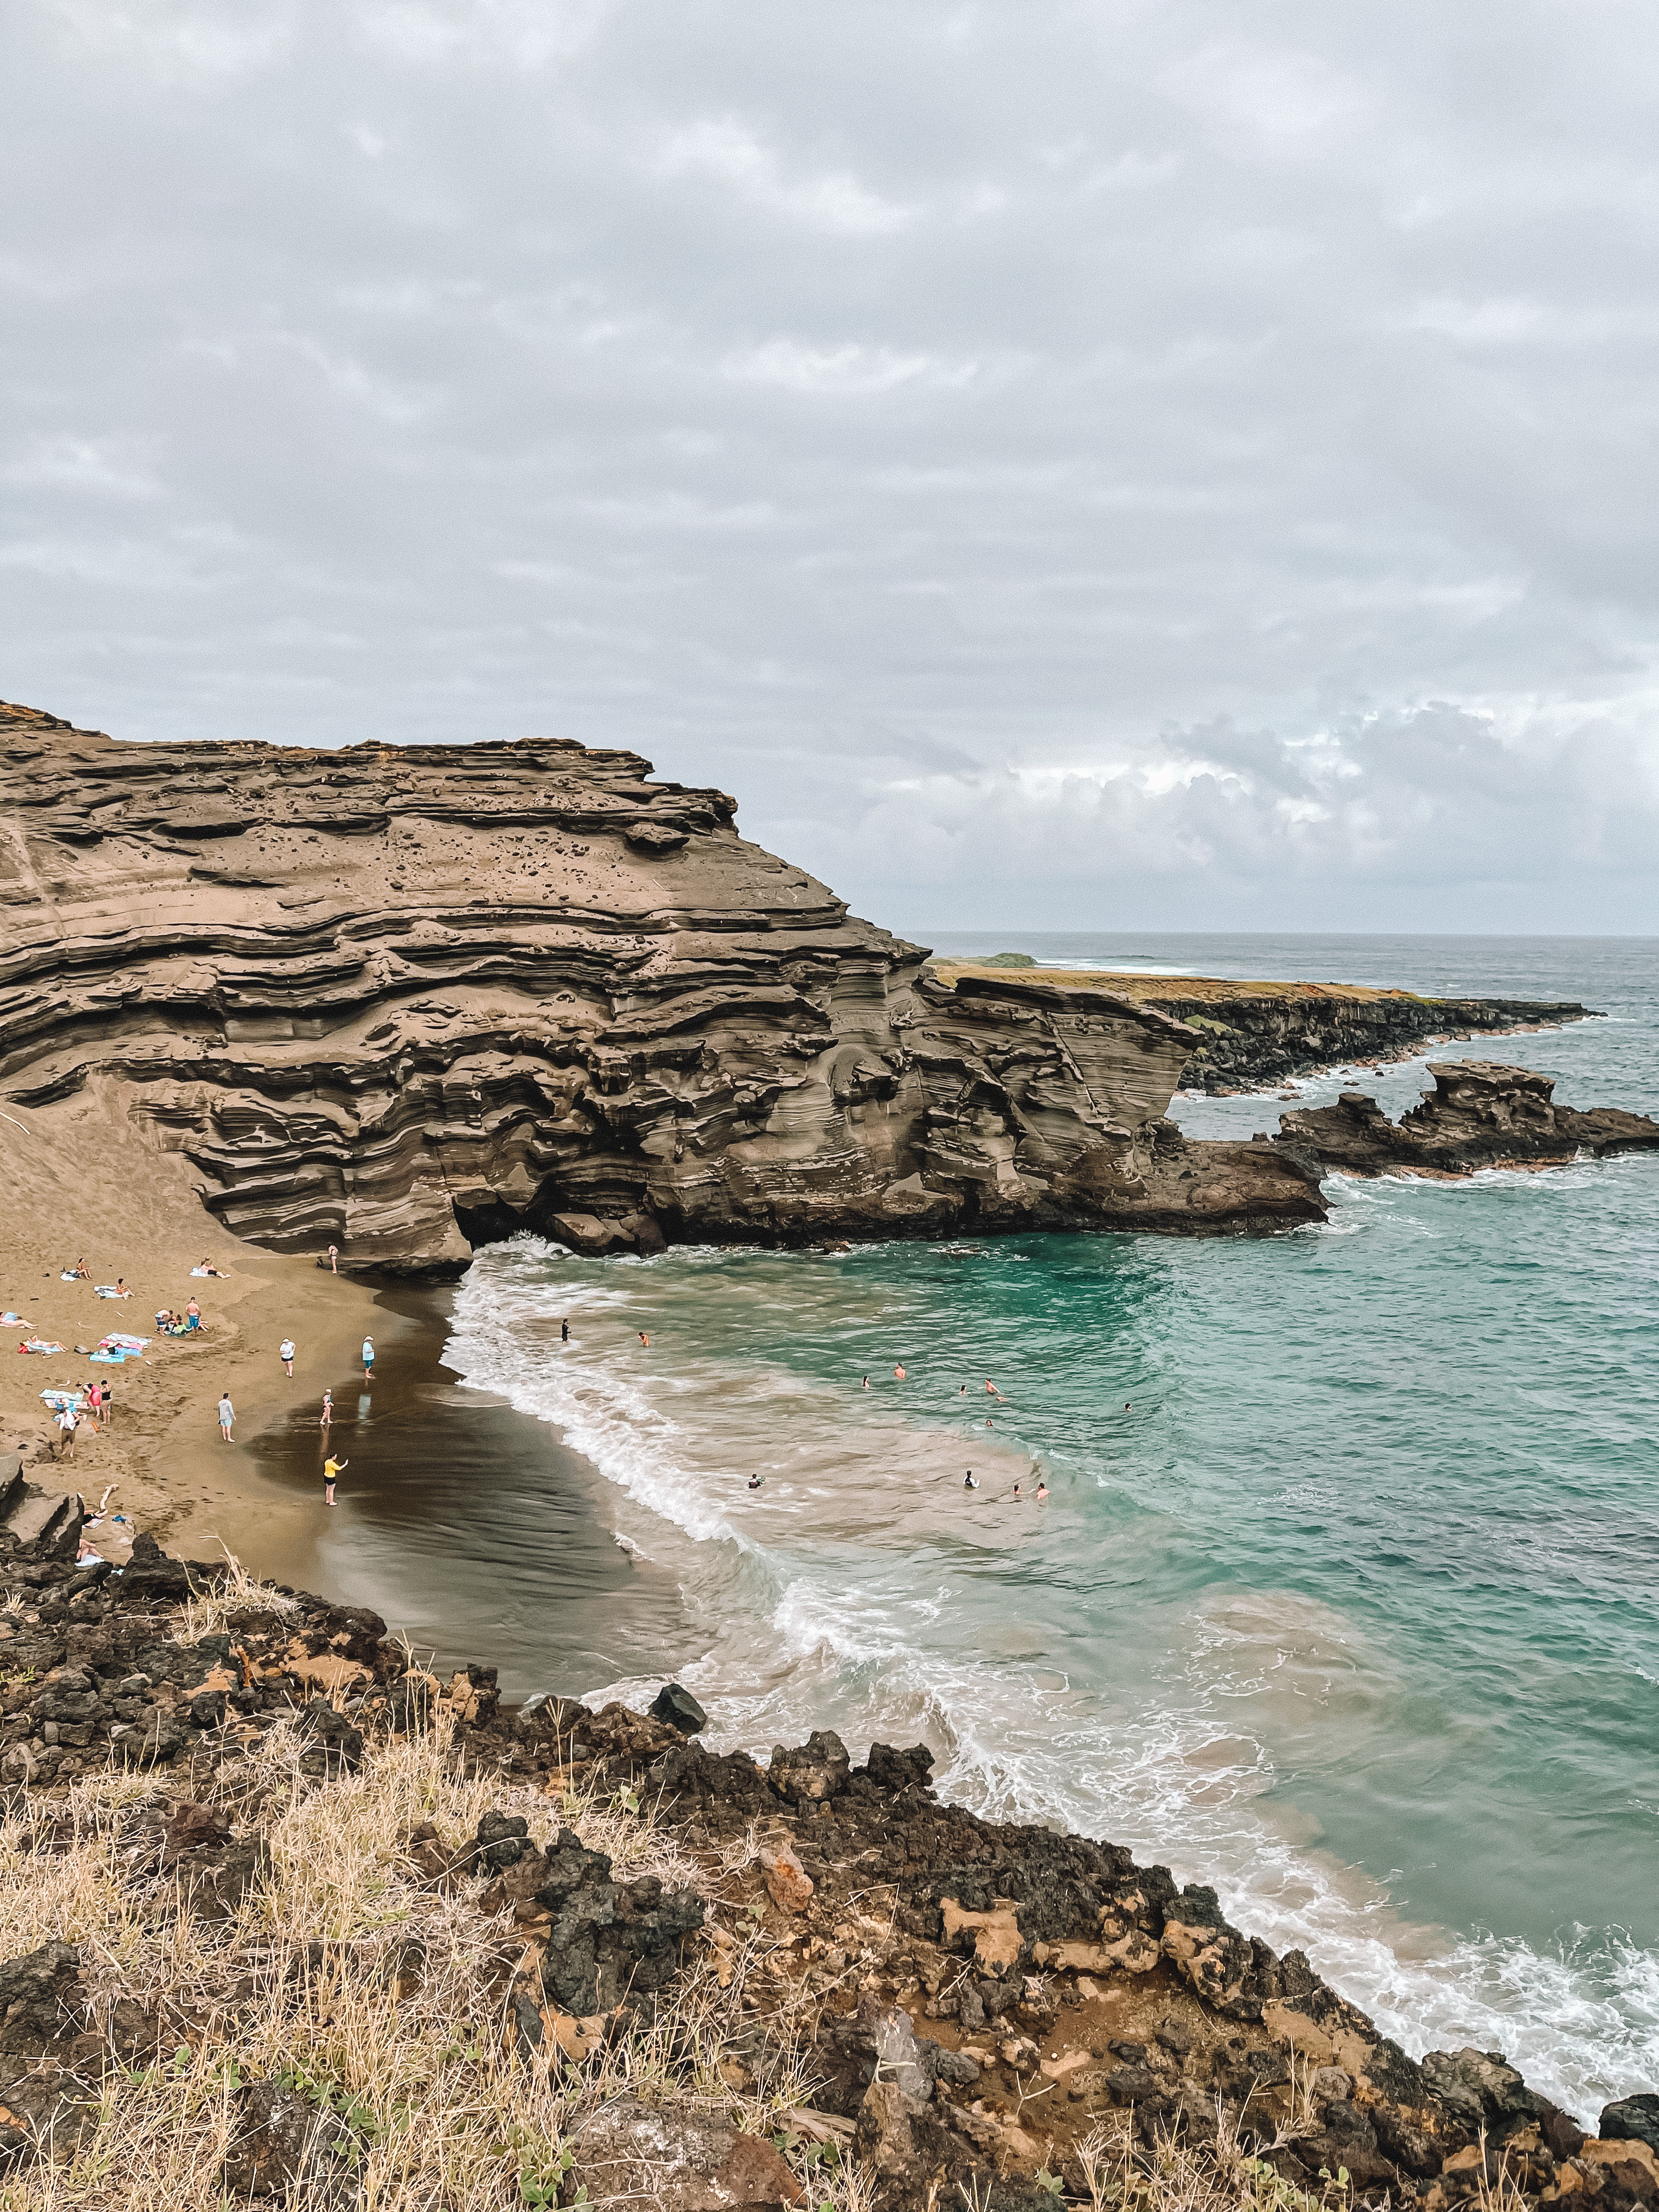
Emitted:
<point x="204" y="1612"/>
<point x="396" y="2033"/>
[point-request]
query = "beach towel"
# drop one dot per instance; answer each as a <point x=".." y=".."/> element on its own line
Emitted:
<point x="109" y="1291"/>
<point x="111" y="1358"/>
<point x="69" y="1275"/>
<point x="119" y="1341"/>
<point x="37" y="1344"/>
<point x="58" y="1399"/>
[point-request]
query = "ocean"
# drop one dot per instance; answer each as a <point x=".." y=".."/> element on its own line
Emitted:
<point x="1344" y="1595"/>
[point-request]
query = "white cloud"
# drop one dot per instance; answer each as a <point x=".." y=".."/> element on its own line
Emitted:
<point x="844" y="371"/>
<point x="726" y="151"/>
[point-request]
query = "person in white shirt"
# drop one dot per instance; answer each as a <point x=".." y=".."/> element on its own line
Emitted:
<point x="227" y="1415"/>
<point x="285" y="1353"/>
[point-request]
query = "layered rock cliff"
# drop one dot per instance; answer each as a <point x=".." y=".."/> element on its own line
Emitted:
<point x="1247" y="1037"/>
<point x="401" y="1000"/>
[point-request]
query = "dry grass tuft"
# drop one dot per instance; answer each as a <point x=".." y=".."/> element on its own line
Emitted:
<point x="379" y="2000"/>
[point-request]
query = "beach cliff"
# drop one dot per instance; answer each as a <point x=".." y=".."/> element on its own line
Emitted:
<point x="405" y="1000"/>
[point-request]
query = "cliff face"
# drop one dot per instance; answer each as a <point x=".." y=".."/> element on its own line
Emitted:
<point x="1247" y="1037"/>
<point x="401" y="999"/>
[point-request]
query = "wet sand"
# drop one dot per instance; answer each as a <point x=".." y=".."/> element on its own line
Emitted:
<point x="448" y="1490"/>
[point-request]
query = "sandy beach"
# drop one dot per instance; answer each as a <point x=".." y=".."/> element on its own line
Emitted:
<point x="83" y="1182"/>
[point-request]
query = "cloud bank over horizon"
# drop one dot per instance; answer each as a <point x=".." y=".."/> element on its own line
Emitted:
<point x="1072" y="465"/>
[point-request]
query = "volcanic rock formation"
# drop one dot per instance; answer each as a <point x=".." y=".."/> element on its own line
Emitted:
<point x="1478" y="1116"/>
<point x="403" y="999"/>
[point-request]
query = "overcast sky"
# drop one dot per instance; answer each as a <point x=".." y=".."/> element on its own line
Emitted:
<point x="1067" y="464"/>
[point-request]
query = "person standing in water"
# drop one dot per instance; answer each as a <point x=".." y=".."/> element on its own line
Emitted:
<point x="1019" y="1493"/>
<point x="564" y="1331"/>
<point x="898" y="1374"/>
<point x="1041" y="1491"/>
<point x="328" y="1409"/>
<point x="968" y="1482"/>
<point x="332" y="1470"/>
<point x="368" y="1360"/>
<point x="645" y="1339"/>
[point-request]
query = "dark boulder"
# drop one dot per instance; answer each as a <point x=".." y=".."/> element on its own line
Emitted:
<point x="609" y="1940"/>
<point x="1632" y="2119"/>
<point x="280" y="2138"/>
<point x="680" y="1708"/>
<point x="41" y="2000"/>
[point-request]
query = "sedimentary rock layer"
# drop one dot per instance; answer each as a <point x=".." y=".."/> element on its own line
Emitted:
<point x="1478" y="1116"/>
<point x="1248" y="1035"/>
<point x="399" y="999"/>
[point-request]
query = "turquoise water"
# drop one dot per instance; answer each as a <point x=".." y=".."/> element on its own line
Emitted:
<point x="1346" y="1592"/>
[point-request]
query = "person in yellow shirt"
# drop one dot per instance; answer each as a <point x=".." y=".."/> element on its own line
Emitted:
<point x="332" y="1470"/>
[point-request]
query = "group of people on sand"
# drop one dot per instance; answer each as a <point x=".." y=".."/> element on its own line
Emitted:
<point x="288" y="1351"/>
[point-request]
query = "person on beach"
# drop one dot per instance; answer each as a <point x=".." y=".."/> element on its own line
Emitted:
<point x="67" y="1422"/>
<point x="107" y="1401"/>
<point x="192" y="1315"/>
<point x="899" y="1375"/>
<point x="121" y="1290"/>
<point x="285" y="1353"/>
<point x="78" y="1272"/>
<point x="368" y="1360"/>
<point x="95" y="1401"/>
<point x="328" y="1409"/>
<point x="334" y="1259"/>
<point x="227" y="1415"/>
<point x="332" y="1470"/>
<point x="207" y="1268"/>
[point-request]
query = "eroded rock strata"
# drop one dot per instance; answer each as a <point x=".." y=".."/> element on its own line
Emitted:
<point x="1479" y="1115"/>
<point x="400" y="999"/>
<point x="1251" y="1035"/>
<point x="982" y="2005"/>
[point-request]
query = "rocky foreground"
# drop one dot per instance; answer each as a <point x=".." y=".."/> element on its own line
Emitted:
<point x="825" y="1987"/>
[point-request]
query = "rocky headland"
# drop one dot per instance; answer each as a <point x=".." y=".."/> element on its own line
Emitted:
<point x="289" y="1910"/>
<point x="1249" y="1036"/>
<point x="404" y="999"/>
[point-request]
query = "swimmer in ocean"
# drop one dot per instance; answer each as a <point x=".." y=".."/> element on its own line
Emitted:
<point x="1042" y="1492"/>
<point x="645" y="1339"/>
<point x="755" y="1481"/>
<point x="898" y="1374"/>
<point x="968" y="1482"/>
<point x="1019" y="1493"/>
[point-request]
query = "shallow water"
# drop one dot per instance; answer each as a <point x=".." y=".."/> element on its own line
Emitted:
<point x="1345" y="1595"/>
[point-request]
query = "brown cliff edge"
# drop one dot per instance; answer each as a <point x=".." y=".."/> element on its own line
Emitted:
<point x="346" y="1933"/>
<point x="401" y="999"/>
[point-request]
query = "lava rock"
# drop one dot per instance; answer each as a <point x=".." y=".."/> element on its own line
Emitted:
<point x="1632" y="2119"/>
<point x="680" y="1708"/>
<point x="42" y="2003"/>
<point x="814" y="1772"/>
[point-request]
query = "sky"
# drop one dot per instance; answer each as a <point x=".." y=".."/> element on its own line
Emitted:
<point x="1182" y="463"/>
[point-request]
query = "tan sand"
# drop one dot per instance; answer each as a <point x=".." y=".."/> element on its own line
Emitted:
<point x="80" y="1180"/>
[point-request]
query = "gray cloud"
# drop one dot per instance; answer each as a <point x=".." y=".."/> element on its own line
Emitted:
<point x="1068" y="463"/>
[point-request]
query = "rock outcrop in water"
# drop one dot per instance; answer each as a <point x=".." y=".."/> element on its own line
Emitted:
<point x="401" y="1000"/>
<point x="1478" y="1116"/>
